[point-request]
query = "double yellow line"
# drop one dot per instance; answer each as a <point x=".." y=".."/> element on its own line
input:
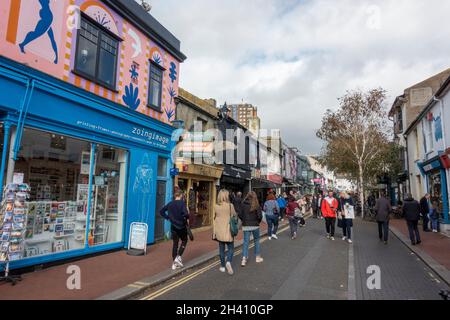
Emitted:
<point x="195" y="274"/>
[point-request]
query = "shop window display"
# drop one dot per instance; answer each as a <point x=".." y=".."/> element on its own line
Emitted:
<point x="107" y="204"/>
<point x="57" y="170"/>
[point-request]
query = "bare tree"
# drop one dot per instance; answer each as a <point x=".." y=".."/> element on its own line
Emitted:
<point x="355" y="135"/>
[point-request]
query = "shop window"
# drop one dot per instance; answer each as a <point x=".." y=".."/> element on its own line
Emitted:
<point x="155" y="87"/>
<point x="57" y="211"/>
<point x="162" y="167"/>
<point x="96" y="55"/>
<point x="57" y="207"/>
<point x="107" y="200"/>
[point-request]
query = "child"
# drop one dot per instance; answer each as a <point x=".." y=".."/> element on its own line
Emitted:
<point x="434" y="216"/>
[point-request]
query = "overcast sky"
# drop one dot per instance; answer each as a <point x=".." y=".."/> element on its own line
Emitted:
<point x="294" y="58"/>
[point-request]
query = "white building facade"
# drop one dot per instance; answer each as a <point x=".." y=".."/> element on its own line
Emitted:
<point x="428" y="151"/>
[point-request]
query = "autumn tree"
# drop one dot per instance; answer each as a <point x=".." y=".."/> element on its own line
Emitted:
<point x="355" y="136"/>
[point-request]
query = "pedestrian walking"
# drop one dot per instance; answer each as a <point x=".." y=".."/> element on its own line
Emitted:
<point x="411" y="212"/>
<point x="425" y="209"/>
<point x="223" y="212"/>
<point x="329" y="208"/>
<point x="237" y="201"/>
<point x="346" y="214"/>
<point x="176" y="212"/>
<point x="251" y="216"/>
<point x="319" y="206"/>
<point x="383" y="210"/>
<point x="302" y="203"/>
<point x="282" y="205"/>
<point x="291" y="209"/>
<point x="272" y="210"/>
<point x="434" y="216"/>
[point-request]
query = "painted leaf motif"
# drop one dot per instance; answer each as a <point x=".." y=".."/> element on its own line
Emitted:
<point x="131" y="97"/>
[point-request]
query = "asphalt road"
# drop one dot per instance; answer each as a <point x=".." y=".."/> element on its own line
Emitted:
<point x="314" y="268"/>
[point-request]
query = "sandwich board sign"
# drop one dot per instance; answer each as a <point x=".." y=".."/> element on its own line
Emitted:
<point x="137" y="244"/>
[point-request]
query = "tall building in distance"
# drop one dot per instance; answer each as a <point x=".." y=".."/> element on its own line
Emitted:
<point x="246" y="114"/>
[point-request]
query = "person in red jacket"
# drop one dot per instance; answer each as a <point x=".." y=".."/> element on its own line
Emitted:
<point x="329" y="207"/>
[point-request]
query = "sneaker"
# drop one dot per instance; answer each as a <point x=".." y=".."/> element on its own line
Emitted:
<point x="275" y="237"/>
<point x="328" y="236"/>
<point x="419" y="242"/>
<point x="229" y="269"/>
<point x="174" y="266"/>
<point x="344" y="238"/>
<point x="270" y="238"/>
<point x="222" y="269"/>
<point x="179" y="262"/>
<point x="350" y="241"/>
<point x="259" y="259"/>
<point x="385" y="242"/>
<point x="294" y="236"/>
<point x="244" y="262"/>
<point x="435" y="231"/>
<point x="332" y="238"/>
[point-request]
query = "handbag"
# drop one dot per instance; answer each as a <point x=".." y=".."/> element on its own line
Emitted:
<point x="298" y="213"/>
<point x="234" y="225"/>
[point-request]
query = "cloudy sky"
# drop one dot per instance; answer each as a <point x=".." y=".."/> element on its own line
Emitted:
<point x="294" y="58"/>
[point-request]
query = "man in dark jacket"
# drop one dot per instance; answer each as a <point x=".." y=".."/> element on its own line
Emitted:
<point x="237" y="201"/>
<point x="383" y="210"/>
<point x="176" y="212"/>
<point x="425" y="211"/>
<point x="411" y="212"/>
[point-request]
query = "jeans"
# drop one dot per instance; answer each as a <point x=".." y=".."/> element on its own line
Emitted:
<point x="330" y="225"/>
<point x="293" y="224"/>
<point x="383" y="229"/>
<point x="282" y="212"/>
<point x="434" y="224"/>
<point x="256" y="236"/>
<point x="346" y="228"/>
<point x="272" y="224"/>
<point x="413" y="229"/>
<point x="177" y="235"/>
<point x="230" y="253"/>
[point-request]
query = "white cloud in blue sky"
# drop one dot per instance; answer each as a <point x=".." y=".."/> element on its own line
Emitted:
<point x="293" y="58"/>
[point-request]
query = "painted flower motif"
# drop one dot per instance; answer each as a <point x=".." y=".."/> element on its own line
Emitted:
<point x="134" y="73"/>
<point x="131" y="97"/>
<point x="169" y="113"/>
<point x="102" y="19"/>
<point x="172" y="94"/>
<point x="173" y="72"/>
<point x="157" y="58"/>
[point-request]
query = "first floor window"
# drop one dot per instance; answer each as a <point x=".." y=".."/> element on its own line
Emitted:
<point x="155" y="87"/>
<point x="96" y="54"/>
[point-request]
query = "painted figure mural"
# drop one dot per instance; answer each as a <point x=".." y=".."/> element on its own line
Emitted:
<point x="44" y="26"/>
<point x="143" y="184"/>
<point x="438" y="128"/>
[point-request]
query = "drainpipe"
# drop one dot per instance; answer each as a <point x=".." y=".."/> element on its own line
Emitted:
<point x="444" y="134"/>
<point x="7" y="127"/>
<point x="22" y="116"/>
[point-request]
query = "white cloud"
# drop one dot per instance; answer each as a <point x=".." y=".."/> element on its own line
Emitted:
<point x="294" y="58"/>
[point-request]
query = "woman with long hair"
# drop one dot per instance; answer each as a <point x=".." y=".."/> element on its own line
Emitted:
<point x="291" y="209"/>
<point x="272" y="210"/>
<point x="251" y="216"/>
<point x="223" y="211"/>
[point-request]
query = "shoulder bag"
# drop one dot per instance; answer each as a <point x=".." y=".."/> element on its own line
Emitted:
<point x="234" y="224"/>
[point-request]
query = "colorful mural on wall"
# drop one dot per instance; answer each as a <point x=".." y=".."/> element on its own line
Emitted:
<point x="38" y="34"/>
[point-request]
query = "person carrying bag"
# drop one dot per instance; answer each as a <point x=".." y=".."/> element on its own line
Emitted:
<point x="225" y="229"/>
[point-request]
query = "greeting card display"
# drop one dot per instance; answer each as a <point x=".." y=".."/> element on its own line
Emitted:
<point x="13" y="226"/>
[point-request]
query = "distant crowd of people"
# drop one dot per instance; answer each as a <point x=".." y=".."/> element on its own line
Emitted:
<point x="234" y="212"/>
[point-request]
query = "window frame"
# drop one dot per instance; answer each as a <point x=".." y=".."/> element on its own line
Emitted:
<point x="102" y="30"/>
<point x="161" y="69"/>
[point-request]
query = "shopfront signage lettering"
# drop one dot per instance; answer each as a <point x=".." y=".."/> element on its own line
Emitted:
<point x="140" y="135"/>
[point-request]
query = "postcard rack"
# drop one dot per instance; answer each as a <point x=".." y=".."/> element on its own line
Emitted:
<point x="13" y="216"/>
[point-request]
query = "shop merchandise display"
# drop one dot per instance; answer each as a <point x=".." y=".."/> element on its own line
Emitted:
<point x="13" y="222"/>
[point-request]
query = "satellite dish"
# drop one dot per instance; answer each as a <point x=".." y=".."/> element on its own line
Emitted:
<point x="147" y="7"/>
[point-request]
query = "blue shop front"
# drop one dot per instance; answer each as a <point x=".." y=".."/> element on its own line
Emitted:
<point x="93" y="167"/>
<point x="435" y="172"/>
